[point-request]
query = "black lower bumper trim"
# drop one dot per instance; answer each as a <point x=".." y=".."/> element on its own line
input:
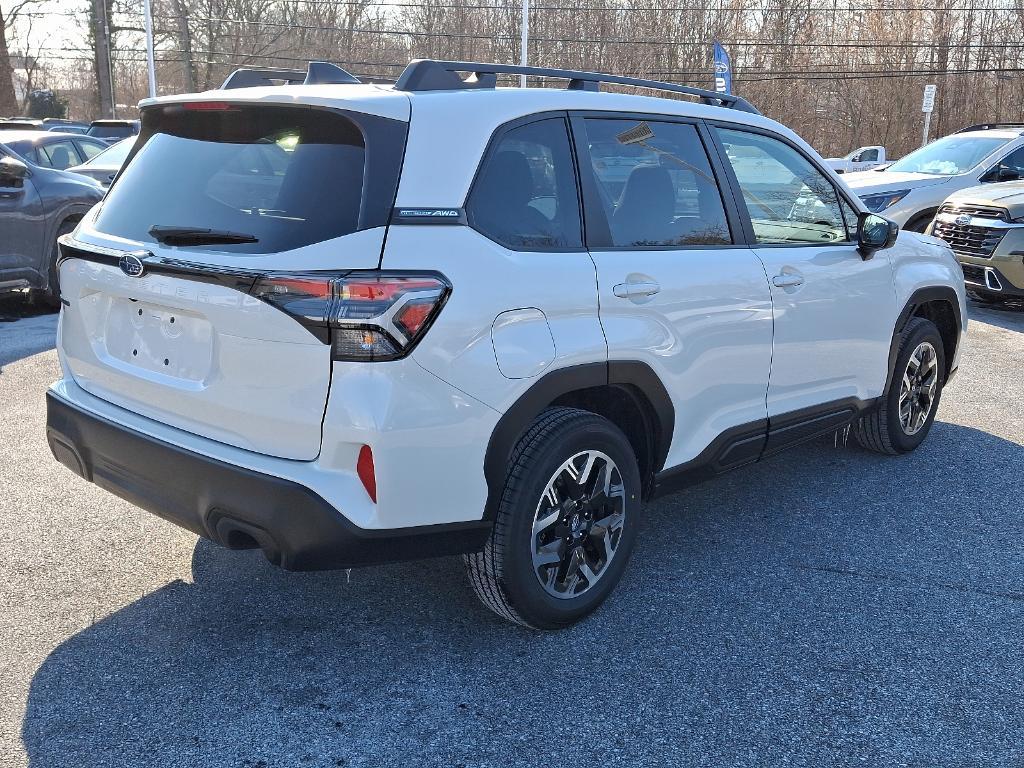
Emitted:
<point x="236" y="507"/>
<point x="974" y="279"/>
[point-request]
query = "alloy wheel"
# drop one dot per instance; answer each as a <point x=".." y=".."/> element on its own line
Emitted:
<point x="917" y="392"/>
<point x="578" y="524"/>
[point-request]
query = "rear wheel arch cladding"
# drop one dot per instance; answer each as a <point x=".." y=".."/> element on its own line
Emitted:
<point x="636" y="379"/>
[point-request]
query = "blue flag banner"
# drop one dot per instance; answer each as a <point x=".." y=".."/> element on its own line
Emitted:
<point x="723" y="70"/>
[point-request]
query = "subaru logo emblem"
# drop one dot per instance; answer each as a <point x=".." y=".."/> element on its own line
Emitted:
<point x="131" y="265"/>
<point x="962" y="220"/>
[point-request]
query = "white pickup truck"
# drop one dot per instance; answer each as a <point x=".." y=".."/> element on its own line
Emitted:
<point x="861" y="159"/>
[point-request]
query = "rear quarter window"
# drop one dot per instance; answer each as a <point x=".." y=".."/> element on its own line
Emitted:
<point x="525" y="195"/>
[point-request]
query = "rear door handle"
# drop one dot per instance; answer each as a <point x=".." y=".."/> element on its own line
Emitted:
<point x="788" y="280"/>
<point x="635" y="290"/>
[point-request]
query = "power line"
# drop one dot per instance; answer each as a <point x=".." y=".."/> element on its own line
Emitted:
<point x="777" y="77"/>
<point x="607" y="41"/>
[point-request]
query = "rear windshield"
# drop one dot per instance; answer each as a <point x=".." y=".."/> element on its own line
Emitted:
<point x="286" y="176"/>
<point x="110" y="131"/>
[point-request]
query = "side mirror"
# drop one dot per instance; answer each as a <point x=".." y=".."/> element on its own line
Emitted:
<point x="875" y="233"/>
<point x="12" y="170"/>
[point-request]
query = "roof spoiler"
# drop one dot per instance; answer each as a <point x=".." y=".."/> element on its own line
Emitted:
<point x="317" y="73"/>
<point x="433" y="75"/>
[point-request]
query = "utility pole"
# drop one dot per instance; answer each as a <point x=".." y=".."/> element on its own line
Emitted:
<point x="185" y="38"/>
<point x="101" y="59"/>
<point x="524" y="35"/>
<point x="147" y="13"/>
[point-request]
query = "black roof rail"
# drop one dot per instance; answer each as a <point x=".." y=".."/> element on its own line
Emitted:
<point x="989" y="126"/>
<point x="432" y="75"/>
<point x="318" y="73"/>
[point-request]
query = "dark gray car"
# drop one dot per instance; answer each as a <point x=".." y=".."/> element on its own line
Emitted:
<point x="37" y="205"/>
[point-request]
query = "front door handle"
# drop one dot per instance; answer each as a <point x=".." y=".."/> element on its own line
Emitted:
<point x="636" y="290"/>
<point x="788" y="280"/>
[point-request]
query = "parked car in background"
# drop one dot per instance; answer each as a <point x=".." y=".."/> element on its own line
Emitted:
<point x="984" y="226"/>
<point x="911" y="190"/>
<point x="38" y="204"/>
<point x="21" y="124"/>
<point x="112" y="131"/>
<point x="103" y="167"/>
<point x="50" y="149"/>
<point x="66" y="126"/>
<point x="284" y="329"/>
<point x="861" y="159"/>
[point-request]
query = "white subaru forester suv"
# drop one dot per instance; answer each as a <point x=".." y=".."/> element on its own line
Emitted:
<point x="349" y="323"/>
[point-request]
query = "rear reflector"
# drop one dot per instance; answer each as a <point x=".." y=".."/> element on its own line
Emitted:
<point x="364" y="468"/>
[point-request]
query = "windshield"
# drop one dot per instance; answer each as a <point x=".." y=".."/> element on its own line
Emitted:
<point x="948" y="156"/>
<point x="283" y="177"/>
<point x="114" y="156"/>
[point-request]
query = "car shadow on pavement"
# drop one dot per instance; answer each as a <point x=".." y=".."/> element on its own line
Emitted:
<point x="26" y="328"/>
<point x="821" y="608"/>
<point x="1009" y="317"/>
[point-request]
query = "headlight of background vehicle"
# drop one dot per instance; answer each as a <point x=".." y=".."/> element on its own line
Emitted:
<point x="876" y="203"/>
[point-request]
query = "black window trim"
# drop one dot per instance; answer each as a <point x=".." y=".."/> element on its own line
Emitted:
<point x="495" y="139"/>
<point x="598" y="229"/>
<point x="730" y="174"/>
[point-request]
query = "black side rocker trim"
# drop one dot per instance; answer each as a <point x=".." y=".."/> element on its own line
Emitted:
<point x="294" y="526"/>
<point x="752" y="442"/>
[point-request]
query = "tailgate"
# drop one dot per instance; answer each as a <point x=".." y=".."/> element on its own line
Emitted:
<point x="160" y="316"/>
<point x="200" y="355"/>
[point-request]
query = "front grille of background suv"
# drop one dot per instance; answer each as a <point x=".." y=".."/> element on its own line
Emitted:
<point x="971" y="239"/>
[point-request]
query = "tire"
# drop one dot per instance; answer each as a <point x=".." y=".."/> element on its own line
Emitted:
<point x="885" y="430"/>
<point x="506" y="575"/>
<point x="920" y="222"/>
<point x="51" y="294"/>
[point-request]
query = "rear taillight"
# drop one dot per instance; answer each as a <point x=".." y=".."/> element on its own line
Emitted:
<point x="365" y="316"/>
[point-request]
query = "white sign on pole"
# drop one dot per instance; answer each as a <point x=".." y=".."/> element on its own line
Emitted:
<point x="928" y="103"/>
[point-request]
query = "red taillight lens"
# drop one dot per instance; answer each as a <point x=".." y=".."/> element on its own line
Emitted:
<point x="413" y="316"/>
<point x="364" y="468"/>
<point x="365" y="316"/>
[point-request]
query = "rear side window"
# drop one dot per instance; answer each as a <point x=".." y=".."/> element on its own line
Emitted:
<point x="90" y="149"/>
<point x="656" y="184"/>
<point x="287" y="176"/>
<point x="525" y="194"/>
<point x="60" y="154"/>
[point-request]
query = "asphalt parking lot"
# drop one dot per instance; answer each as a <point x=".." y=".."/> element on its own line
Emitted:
<point x="829" y="607"/>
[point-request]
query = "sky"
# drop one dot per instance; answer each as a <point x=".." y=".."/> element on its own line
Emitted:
<point x="53" y="24"/>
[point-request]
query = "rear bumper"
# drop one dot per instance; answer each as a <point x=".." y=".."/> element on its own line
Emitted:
<point x="234" y="506"/>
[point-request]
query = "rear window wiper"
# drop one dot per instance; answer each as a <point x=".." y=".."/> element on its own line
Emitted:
<point x="171" y="235"/>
